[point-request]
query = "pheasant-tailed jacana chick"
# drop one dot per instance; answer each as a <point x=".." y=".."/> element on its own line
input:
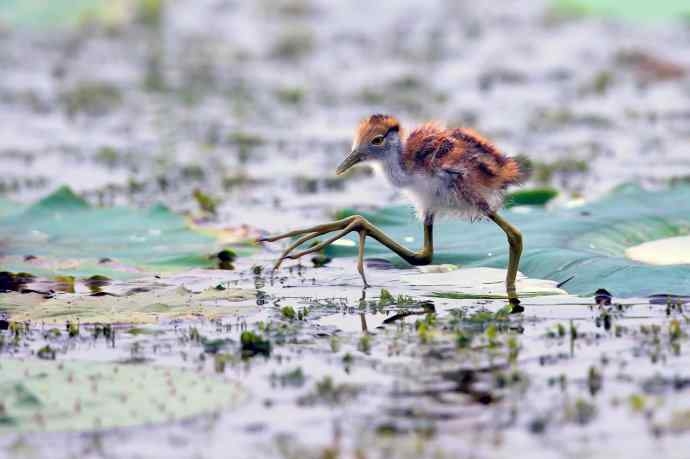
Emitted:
<point x="444" y="171"/>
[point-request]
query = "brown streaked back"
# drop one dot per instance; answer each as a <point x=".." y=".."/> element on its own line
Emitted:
<point x="431" y="148"/>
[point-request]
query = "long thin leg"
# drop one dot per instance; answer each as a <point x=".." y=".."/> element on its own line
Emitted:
<point x="423" y="257"/>
<point x="364" y="228"/>
<point x="360" y="257"/>
<point x="515" y="243"/>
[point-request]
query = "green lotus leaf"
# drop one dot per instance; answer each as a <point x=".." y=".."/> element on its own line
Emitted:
<point x="533" y="197"/>
<point x="585" y="246"/>
<point x="639" y="10"/>
<point x="63" y="235"/>
<point x="62" y="13"/>
<point x="43" y="396"/>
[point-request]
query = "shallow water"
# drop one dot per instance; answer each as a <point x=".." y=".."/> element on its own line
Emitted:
<point x="254" y="103"/>
<point x="401" y="391"/>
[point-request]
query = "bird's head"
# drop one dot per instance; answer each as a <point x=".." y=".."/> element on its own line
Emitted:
<point x="377" y="137"/>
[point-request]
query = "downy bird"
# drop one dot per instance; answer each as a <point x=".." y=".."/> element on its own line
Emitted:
<point x="444" y="171"/>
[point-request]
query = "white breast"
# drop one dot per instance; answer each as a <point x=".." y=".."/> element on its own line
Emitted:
<point x="436" y="193"/>
<point x="439" y="195"/>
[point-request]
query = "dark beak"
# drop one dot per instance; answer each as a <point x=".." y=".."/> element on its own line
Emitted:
<point x="353" y="158"/>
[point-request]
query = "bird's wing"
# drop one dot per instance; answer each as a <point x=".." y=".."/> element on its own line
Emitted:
<point x="484" y="164"/>
<point x="433" y="150"/>
<point x="424" y="146"/>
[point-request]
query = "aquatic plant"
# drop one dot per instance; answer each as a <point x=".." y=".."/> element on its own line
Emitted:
<point x="253" y="344"/>
<point x="533" y="197"/>
<point x="288" y="312"/>
<point x="589" y="241"/>
<point x="150" y="12"/>
<point x="49" y="396"/>
<point x="291" y="378"/>
<point x="385" y="298"/>
<point x="319" y="261"/>
<point x="328" y="392"/>
<point x="91" y="97"/>
<point x="364" y="344"/>
<point x="545" y="172"/>
<point x="290" y="95"/>
<point x="136" y="307"/>
<point x="135" y="240"/>
<point x="206" y="203"/>
<point x="294" y="43"/>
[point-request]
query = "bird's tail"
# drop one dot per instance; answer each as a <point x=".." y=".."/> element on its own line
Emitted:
<point x="518" y="170"/>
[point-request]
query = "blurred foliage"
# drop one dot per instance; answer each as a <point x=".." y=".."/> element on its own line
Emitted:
<point x="41" y="13"/>
<point x="91" y="97"/>
<point x="58" y="13"/>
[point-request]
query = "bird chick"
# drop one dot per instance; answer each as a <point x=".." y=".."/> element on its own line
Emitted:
<point x="444" y="171"/>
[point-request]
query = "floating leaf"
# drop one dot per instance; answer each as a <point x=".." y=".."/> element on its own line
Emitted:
<point x="586" y="244"/>
<point x="632" y="9"/>
<point x="61" y="13"/>
<point x="668" y="251"/>
<point x="49" y="396"/>
<point x="63" y="235"/>
<point x="533" y="197"/>
<point x="144" y="307"/>
<point x="478" y="283"/>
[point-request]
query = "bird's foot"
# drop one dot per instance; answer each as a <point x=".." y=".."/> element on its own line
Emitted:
<point x="344" y="227"/>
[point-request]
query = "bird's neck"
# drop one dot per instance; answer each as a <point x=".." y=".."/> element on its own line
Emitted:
<point x="392" y="165"/>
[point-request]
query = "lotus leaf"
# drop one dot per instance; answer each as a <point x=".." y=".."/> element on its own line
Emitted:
<point x="634" y="9"/>
<point x="42" y="396"/>
<point x="63" y="235"/>
<point x="40" y="13"/>
<point x="583" y="246"/>
<point x="144" y="307"/>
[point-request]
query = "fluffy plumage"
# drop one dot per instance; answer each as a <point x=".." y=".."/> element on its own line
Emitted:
<point x="444" y="171"/>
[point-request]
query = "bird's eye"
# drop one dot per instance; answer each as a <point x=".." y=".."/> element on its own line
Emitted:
<point x="378" y="140"/>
